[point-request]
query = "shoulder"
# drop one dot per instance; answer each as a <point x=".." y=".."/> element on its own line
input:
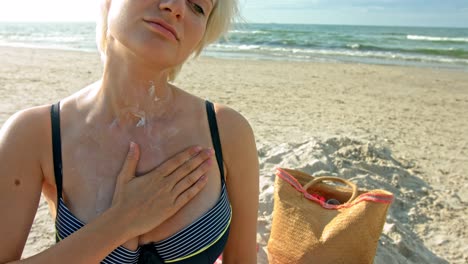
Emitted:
<point x="234" y="129"/>
<point x="25" y="124"/>
<point x="238" y="143"/>
<point x="23" y="136"/>
<point x="232" y="122"/>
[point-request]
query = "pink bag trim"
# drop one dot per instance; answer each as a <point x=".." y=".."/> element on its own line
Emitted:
<point x="370" y="196"/>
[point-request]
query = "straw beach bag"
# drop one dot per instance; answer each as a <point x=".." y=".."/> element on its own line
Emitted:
<point x="315" y="222"/>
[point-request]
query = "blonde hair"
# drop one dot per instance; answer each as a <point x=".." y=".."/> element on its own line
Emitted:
<point x="219" y="22"/>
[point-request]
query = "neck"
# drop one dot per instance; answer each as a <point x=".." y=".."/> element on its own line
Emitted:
<point x="131" y="95"/>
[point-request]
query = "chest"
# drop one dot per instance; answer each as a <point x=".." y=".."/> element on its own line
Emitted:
<point x="91" y="162"/>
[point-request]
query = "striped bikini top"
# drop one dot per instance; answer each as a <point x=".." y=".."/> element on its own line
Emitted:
<point x="200" y="242"/>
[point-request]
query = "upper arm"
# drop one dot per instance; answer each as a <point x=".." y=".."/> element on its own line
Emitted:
<point x="20" y="180"/>
<point x="242" y="179"/>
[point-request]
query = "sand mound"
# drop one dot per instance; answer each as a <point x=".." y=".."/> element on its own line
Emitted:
<point x="370" y="166"/>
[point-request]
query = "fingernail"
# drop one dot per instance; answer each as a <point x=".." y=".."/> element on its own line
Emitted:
<point x="209" y="151"/>
<point x="132" y="145"/>
<point x="197" y="149"/>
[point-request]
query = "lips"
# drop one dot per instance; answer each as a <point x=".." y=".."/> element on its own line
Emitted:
<point x="163" y="27"/>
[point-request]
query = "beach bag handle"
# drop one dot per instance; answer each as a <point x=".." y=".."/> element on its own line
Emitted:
<point x="334" y="179"/>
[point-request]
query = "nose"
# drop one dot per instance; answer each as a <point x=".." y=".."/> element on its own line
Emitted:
<point x="175" y="7"/>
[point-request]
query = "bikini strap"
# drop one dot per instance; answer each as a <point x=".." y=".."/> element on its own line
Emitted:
<point x="57" y="147"/>
<point x="215" y="136"/>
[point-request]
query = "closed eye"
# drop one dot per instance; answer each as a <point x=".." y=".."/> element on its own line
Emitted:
<point x="197" y="8"/>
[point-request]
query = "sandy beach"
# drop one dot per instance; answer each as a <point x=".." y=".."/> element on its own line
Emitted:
<point x="403" y="129"/>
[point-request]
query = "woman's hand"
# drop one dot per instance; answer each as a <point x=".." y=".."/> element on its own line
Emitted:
<point x="149" y="200"/>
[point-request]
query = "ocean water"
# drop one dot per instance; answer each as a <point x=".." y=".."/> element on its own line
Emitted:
<point x="417" y="46"/>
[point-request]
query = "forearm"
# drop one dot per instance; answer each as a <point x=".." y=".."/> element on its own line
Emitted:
<point x="90" y="244"/>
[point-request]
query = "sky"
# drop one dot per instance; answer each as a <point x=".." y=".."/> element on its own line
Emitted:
<point x="441" y="13"/>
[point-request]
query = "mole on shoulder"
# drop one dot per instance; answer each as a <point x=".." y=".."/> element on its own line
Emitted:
<point x="17" y="182"/>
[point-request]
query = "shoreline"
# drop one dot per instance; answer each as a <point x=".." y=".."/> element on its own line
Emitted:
<point x="279" y="59"/>
<point x="416" y="113"/>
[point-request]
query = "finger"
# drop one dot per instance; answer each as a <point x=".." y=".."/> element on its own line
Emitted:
<point x="188" y="194"/>
<point x="129" y="167"/>
<point x="177" y="160"/>
<point x="191" y="165"/>
<point x="192" y="178"/>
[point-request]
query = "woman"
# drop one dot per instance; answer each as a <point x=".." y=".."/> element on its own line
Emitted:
<point x="132" y="166"/>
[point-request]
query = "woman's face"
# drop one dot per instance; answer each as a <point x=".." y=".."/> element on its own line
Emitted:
<point x="161" y="31"/>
